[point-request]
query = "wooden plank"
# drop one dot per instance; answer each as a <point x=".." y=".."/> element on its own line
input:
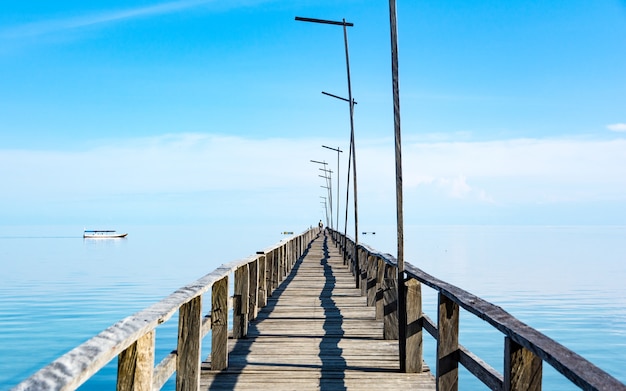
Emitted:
<point x="135" y="365"/>
<point x="480" y="369"/>
<point x="390" y="304"/>
<point x="414" y="327"/>
<point x="448" y="344"/>
<point x="189" y="346"/>
<point x="240" y="302"/>
<point x="315" y="333"/>
<point x="262" y="281"/>
<point x="372" y="281"/>
<point x="253" y="290"/>
<point x="522" y="369"/>
<point x="219" y="324"/>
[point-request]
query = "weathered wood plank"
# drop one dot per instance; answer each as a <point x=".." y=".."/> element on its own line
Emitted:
<point x="390" y="304"/>
<point x="448" y="345"/>
<point x="522" y="369"/>
<point x="262" y="281"/>
<point x="189" y="346"/>
<point x="134" y="365"/>
<point x="219" y="324"/>
<point x="253" y="290"/>
<point x="240" y="302"/>
<point x="316" y="333"/>
<point x="414" y="327"/>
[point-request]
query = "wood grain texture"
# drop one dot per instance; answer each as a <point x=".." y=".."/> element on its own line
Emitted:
<point x="448" y="345"/>
<point x="135" y="365"/>
<point x="219" y="324"/>
<point x="189" y="345"/>
<point x="414" y="327"/>
<point x="316" y="333"/>
<point x="240" y="302"/>
<point x="522" y="369"/>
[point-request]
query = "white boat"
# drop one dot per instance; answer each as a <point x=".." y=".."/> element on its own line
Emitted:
<point x="102" y="234"/>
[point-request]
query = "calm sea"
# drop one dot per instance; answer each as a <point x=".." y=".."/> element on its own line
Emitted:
<point x="58" y="289"/>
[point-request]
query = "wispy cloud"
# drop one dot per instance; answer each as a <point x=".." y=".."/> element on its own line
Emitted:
<point x="617" y="127"/>
<point x="241" y="175"/>
<point x="58" y="25"/>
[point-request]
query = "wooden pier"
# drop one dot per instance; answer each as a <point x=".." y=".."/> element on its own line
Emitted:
<point x="316" y="311"/>
<point x="316" y="333"/>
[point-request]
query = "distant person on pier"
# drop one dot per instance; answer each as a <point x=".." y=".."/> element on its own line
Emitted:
<point x="321" y="225"/>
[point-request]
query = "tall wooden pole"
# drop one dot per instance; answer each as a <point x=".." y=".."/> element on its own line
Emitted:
<point x="356" y="208"/>
<point x="399" y="214"/>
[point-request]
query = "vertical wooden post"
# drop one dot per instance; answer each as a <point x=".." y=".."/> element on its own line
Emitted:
<point x="448" y="344"/>
<point x="262" y="299"/>
<point x="240" y="302"/>
<point x="522" y="368"/>
<point x="281" y="264"/>
<point x="414" y="327"/>
<point x="363" y="271"/>
<point x="357" y="268"/>
<point x="189" y="345"/>
<point x="390" y="304"/>
<point x="288" y="249"/>
<point x="254" y="289"/>
<point x="269" y="272"/>
<point x="380" y="282"/>
<point x="135" y="365"/>
<point x="219" y="325"/>
<point x="371" y="280"/>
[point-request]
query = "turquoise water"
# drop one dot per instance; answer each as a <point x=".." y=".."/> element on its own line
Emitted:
<point x="58" y="289"/>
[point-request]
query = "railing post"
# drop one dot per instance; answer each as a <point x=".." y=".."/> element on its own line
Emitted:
<point x="380" y="282"/>
<point x="414" y="327"/>
<point x="363" y="271"/>
<point x="135" y="365"/>
<point x="189" y="357"/>
<point x="448" y="344"/>
<point x="281" y="264"/>
<point x="390" y="303"/>
<point x="240" y="302"/>
<point x="219" y="325"/>
<point x="522" y="368"/>
<point x="268" y="275"/>
<point x="262" y="277"/>
<point x="253" y="301"/>
<point x="372" y="281"/>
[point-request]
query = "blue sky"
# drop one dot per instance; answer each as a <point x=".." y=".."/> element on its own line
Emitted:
<point x="209" y="112"/>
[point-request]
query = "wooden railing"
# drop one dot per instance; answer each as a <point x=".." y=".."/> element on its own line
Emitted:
<point x="525" y="349"/>
<point x="132" y="340"/>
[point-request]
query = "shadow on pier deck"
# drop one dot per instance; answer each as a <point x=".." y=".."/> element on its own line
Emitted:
<point x="316" y="333"/>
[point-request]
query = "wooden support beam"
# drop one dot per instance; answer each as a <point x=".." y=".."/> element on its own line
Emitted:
<point x="363" y="271"/>
<point x="219" y="325"/>
<point x="240" y="302"/>
<point x="372" y="281"/>
<point x="189" y="345"/>
<point x="135" y="365"/>
<point x="380" y="282"/>
<point x="414" y="346"/>
<point x="522" y="368"/>
<point x="253" y="290"/>
<point x="390" y="304"/>
<point x="448" y="345"/>
<point x="262" y="278"/>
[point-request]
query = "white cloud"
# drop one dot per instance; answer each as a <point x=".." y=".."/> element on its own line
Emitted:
<point x="617" y="127"/>
<point x="40" y="28"/>
<point x="239" y="174"/>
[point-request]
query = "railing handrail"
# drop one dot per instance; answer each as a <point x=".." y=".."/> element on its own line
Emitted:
<point x="574" y="367"/>
<point x="76" y="366"/>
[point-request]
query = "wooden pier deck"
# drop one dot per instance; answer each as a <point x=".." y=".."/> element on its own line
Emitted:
<point x="316" y="333"/>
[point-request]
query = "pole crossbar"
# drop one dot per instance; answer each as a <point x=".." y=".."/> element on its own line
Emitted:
<point x="324" y="21"/>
